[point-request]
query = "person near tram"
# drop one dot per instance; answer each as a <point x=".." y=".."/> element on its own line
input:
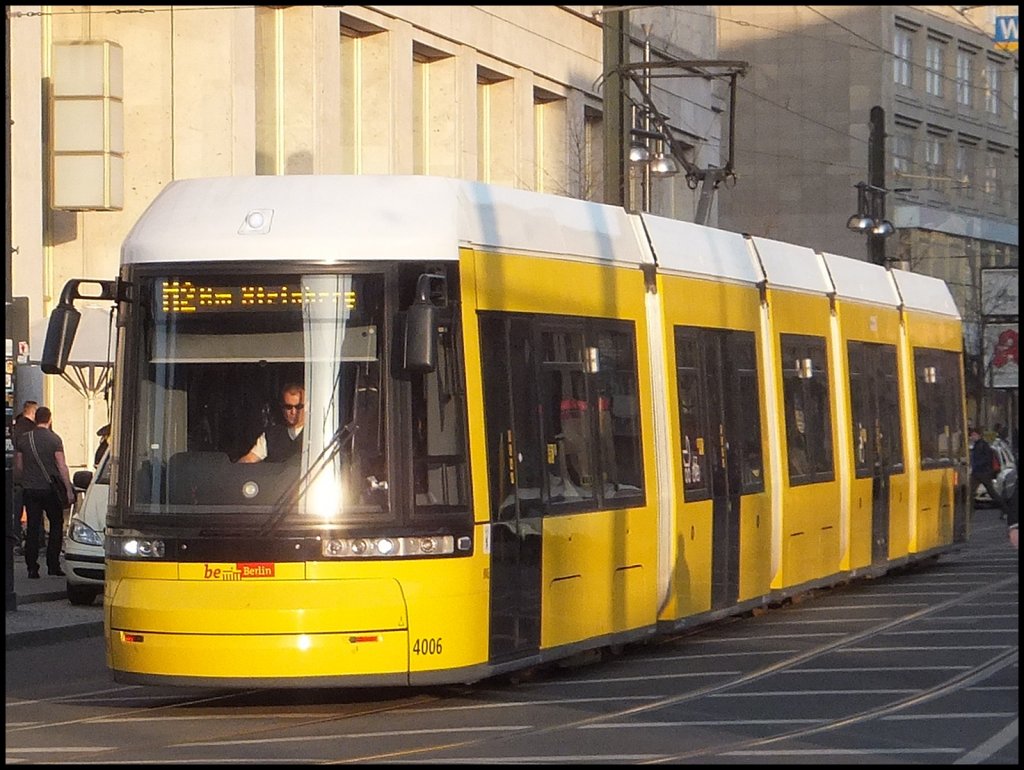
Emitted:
<point x="38" y="458"/>
<point x="983" y="469"/>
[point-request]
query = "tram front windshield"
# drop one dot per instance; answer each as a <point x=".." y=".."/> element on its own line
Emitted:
<point x="215" y="357"/>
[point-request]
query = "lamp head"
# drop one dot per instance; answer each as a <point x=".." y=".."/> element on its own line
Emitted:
<point x="638" y="153"/>
<point x="663" y="165"/>
<point x="860" y="223"/>
<point x="883" y="229"/>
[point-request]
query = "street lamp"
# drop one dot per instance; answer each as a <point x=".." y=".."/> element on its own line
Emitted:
<point x="870" y="220"/>
<point x="662" y="164"/>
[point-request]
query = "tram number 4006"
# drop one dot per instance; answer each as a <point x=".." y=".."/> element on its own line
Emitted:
<point x="427" y="646"/>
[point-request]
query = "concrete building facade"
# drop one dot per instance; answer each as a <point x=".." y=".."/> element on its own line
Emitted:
<point x="110" y="103"/>
<point x="951" y="147"/>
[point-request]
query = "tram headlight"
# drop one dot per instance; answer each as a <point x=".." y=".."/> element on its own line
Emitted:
<point x="335" y="547"/>
<point x="135" y="547"/>
<point x="390" y="547"/>
<point x="359" y="547"/>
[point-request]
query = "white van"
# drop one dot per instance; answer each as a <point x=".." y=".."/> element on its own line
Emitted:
<point x="83" y="546"/>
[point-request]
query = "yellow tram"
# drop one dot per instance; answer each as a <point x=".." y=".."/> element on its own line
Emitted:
<point x="532" y="426"/>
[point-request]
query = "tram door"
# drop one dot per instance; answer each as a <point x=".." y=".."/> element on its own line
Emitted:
<point x="718" y="398"/>
<point x="878" y="452"/>
<point x="514" y="478"/>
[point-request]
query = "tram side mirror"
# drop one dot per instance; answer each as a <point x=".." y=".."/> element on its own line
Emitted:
<point x="420" y="348"/>
<point x="60" y="336"/>
<point x="420" y="338"/>
<point x="60" y="332"/>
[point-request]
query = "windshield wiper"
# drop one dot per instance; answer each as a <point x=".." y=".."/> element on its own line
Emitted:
<point x="290" y="497"/>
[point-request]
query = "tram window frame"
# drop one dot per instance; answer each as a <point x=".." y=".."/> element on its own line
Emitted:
<point x="439" y="454"/>
<point x="743" y="349"/>
<point x="807" y="401"/>
<point x="858" y="355"/>
<point x="939" y="392"/>
<point x="693" y="415"/>
<point x="585" y="355"/>
<point x="740" y="348"/>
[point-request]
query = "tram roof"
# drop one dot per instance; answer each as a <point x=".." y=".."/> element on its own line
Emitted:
<point x="925" y="293"/>
<point x="789" y="266"/>
<point x="860" y="281"/>
<point x="691" y="249"/>
<point x="368" y="217"/>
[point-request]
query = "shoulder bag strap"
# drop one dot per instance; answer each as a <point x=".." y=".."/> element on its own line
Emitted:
<point x="31" y="440"/>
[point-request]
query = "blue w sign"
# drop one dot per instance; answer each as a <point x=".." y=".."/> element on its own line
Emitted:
<point x="1006" y="33"/>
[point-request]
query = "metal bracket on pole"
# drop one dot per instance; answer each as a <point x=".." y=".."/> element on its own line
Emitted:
<point x="707" y="179"/>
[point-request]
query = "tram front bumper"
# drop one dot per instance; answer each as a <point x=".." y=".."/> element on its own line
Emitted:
<point x="277" y="629"/>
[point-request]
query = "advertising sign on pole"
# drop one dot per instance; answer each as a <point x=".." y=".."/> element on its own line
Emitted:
<point x="1000" y="291"/>
<point x="1001" y="357"/>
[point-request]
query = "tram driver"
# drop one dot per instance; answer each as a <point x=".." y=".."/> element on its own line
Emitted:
<point x="282" y="440"/>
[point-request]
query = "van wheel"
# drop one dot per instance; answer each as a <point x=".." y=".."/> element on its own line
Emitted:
<point x="82" y="594"/>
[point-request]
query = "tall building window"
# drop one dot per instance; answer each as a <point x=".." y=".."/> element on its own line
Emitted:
<point x="496" y="145"/>
<point x="549" y="142"/>
<point x="434" y="134"/>
<point x="964" y="67"/>
<point x="902" y="152"/>
<point x="964" y="168"/>
<point x="991" y="186"/>
<point x="1016" y="97"/>
<point x="365" y="123"/>
<point x="934" y="165"/>
<point x="591" y="156"/>
<point x="992" y="87"/>
<point x="901" y="63"/>
<point x="933" y="63"/>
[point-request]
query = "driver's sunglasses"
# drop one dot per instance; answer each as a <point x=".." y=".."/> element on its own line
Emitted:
<point x="291" y="407"/>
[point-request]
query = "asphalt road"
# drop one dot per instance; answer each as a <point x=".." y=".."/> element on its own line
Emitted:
<point x="919" y="667"/>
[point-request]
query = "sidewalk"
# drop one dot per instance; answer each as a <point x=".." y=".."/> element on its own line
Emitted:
<point x="44" y="613"/>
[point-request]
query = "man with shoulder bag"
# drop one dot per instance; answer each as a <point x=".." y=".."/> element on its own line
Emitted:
<point x="40" y="467"/>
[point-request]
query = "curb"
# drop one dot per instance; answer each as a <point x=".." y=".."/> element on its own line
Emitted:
<point x="20" y="639"/>
<point x="47" y="596"/>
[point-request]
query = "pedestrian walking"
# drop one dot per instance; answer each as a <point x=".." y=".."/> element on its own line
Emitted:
<point x="40" y="466"/>
<point x="983" y="469"/>
<point x="23" y="423"/>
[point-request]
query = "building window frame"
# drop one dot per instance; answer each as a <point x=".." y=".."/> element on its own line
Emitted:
<point x="934" y="55"/>
<point x="964" y="77"/>
<point x="903" y="51"/>
<point x="992" y="84"/>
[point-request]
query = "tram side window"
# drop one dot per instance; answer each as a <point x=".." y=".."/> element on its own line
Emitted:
<point x="741" y="358"/>
<point x="807" y="412"/>
<point x="563" y="426"/>
<point x="440" y="468"/>
<point x="875" y="409"/>
<point x="693" y="417"/>
<point x="889" y="405"/>
<point x="716" y="373"/>
<point x="939" y="406"/>
<point x="863" y="446"/>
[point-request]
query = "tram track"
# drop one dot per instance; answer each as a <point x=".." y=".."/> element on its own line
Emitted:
<point x="962" y="679"/>
<point x="445" y="749"/>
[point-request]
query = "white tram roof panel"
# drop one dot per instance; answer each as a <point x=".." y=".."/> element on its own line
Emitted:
<point x="925" y="293"/>
<point x="367" y="217"/>
<point x="861" y="281"/>
<point x="706" y="252"/>
<point x="515" y="220"/>
<point x="788" y="266"/>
